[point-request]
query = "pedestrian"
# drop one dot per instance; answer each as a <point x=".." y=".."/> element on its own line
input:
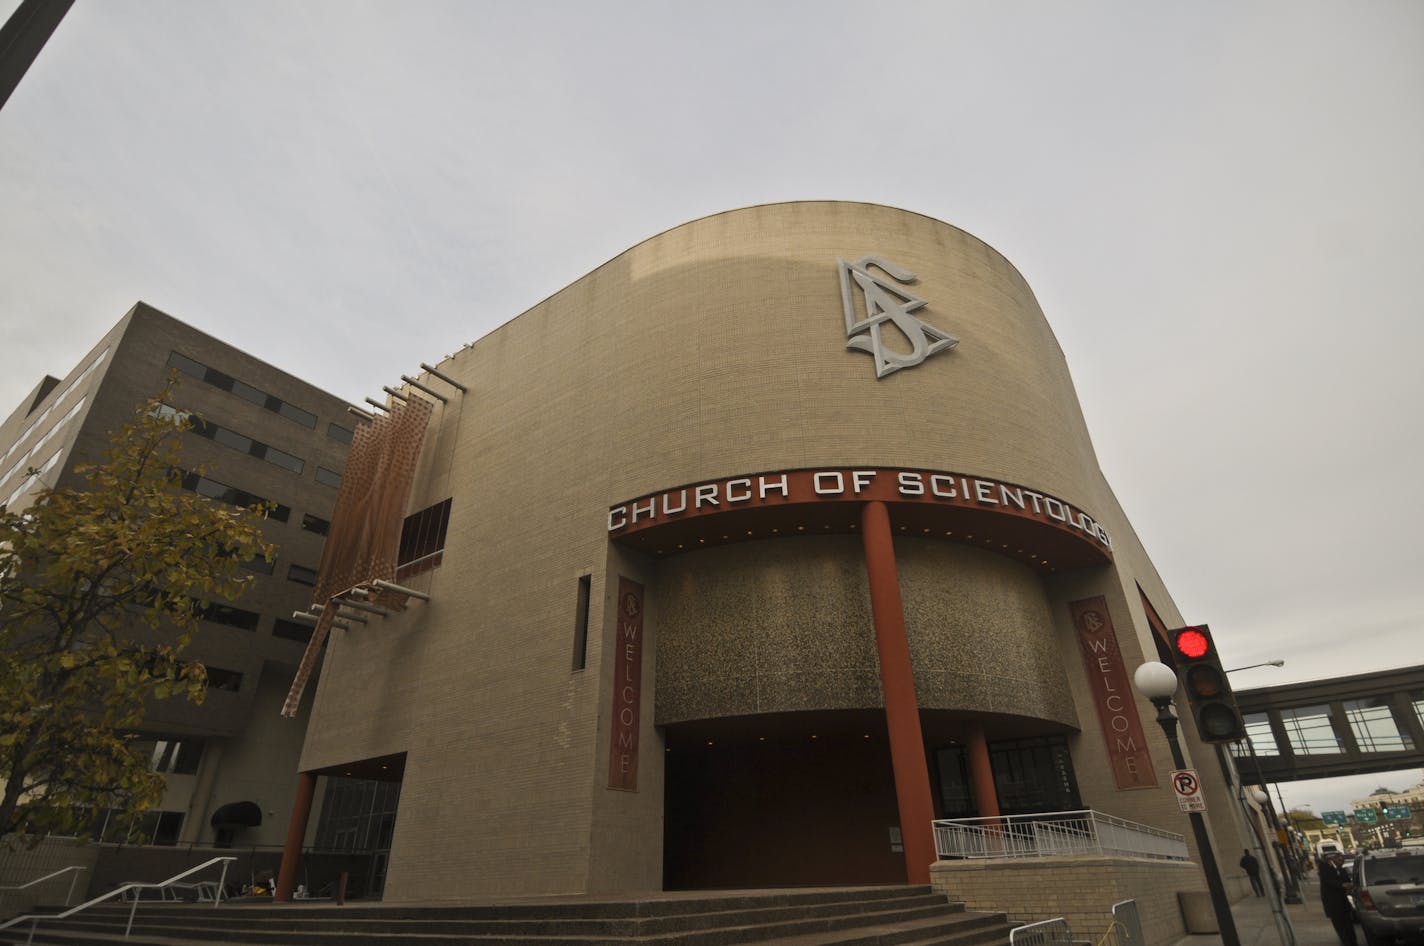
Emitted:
<point x="1252" y="867"/>
<point x="1335" y="886"/>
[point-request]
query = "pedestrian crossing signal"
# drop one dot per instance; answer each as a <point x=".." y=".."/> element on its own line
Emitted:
<point x="1208" y="692"/>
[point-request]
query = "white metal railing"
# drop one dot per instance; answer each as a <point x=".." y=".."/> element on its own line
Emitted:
<point x="1054" y="932"/>
<point x="1051" y="834"/>
<point x="39" y="880"/>
<point x="123" y="892"/>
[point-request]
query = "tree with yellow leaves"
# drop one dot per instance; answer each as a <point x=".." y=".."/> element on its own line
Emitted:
<point x="101" y="589"/>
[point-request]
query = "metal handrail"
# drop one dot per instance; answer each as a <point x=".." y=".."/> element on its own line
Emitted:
<point x="1047" y="834"/>
<point x="35" y="918"/>
<point x="39" y="880"/>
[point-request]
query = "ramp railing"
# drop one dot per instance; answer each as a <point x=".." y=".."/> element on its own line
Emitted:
<point x="123" y="892"/>
<point x="1052" y="834"/>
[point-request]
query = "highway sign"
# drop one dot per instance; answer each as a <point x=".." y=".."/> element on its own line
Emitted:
<point x="1397" y="812"/>
<point x="1336" y="818"/>
<point x="1366" y="816"/>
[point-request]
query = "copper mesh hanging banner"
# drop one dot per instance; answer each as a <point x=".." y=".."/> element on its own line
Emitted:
<point x="364" y="539"/>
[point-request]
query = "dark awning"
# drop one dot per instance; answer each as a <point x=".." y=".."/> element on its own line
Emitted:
<point x="238" y="814"/>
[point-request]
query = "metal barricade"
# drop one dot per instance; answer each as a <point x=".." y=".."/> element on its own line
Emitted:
<point x="1054" y="932"/>
<point x="1128" y="922"/>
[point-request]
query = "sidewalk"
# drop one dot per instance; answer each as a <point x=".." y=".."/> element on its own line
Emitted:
<point x="1256" y="926"/>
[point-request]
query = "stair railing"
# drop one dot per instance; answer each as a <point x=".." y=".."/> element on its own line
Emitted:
<point x="39" y="880"/>
<point x="35" y="918"/>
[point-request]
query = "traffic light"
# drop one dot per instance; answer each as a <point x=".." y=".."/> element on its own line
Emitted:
<point x="1209" y="693"/>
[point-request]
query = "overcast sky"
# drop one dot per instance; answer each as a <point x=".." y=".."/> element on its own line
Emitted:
<point x="1218" y="204"/>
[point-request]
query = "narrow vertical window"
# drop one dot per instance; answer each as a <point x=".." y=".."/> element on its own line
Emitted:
<point x="585" y="586"/>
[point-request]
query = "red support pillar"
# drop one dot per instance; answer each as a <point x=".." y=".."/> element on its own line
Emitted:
<point x="296" y="832"/>
<point x="980" y="772"/>
<point x="897" y="681"/>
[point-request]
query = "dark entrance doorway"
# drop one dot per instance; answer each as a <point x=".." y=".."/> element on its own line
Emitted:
<point x="780" y="800"/>
<point x="356" y="826"/>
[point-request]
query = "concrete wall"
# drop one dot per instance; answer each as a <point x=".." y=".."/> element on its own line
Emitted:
<point x="20" y="864"/>
<point x="1080" y="889"/>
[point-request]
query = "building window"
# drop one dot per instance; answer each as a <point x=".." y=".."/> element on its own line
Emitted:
<point x="292" y="631"/>
<point x="422" y="542"/>
<point x="159" y="828"/>
<point x="1374" y="726"/>
<point x="223" y="493"/>
<point x="956" y="792"/>
<point x="228" y="615"/>
<point x="59" y="425"/>
<point x="338" y="433"/>
<point x="1260" y="739"/>
<point x="259" y="565"/>
<point x="29" y="481"/>
<point x="171" y="755"/>
<point x="1309" y="730"/>
<point x="220" y="679"/>
<point x="357" y="815"/>
<point x="302" y="575"/>
<point x="53" y="403"/>
<point x="1033" y="775"/>
<point x="585" y="586"/>
<point x="316" y="524"/>
<point x="327" y="477"/>
<point x="245" y="444"/>
<point x="225" y="382"/>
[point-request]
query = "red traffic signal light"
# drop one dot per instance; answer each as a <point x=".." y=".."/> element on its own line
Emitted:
<point x="1208" y="691"/>
<point x="1192" y="643"/>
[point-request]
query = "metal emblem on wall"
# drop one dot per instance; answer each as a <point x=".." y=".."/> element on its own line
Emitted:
<point x="884" y="301"/>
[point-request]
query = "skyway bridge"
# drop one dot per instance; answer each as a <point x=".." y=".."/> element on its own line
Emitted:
<point x="1355" y="725"/>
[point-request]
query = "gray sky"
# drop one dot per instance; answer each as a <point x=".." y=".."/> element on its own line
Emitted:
<point x="1218" y="205"/>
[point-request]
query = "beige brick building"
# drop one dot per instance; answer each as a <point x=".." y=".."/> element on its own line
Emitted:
<point x="659" y="650"/>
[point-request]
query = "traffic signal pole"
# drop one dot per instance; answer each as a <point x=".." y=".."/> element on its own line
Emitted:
<point x="1226" y="923"/>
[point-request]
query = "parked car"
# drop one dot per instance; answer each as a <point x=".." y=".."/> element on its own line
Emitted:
<point x="1389" y="895"/>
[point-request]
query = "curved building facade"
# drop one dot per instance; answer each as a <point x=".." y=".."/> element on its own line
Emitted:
<point x="766" y="542"/>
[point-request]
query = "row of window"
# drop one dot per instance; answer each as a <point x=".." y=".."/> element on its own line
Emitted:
<point x="214" y="489"/>
<point x="244" y="620"/>
<point x="1313" y="730"/>
<point x="225" y="382"/>
<point x="223" y="493"/>
<point x="29" y="481"/>
<point x="54" y="402"/>
<point x="245" y="444"/>
<point x="49" y="435"/>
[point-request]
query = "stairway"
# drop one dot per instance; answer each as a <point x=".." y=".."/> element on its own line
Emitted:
<point x="846" y="916"/>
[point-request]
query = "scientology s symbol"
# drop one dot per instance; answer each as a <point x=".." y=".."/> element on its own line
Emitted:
<point x="887" y="301"/>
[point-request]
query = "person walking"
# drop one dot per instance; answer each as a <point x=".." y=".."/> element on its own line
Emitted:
<point x="1334" y="887"/>
<point x="1252" y="867"/>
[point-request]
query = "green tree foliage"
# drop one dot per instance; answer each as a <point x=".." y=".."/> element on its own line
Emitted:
<point x="100" y="592"/>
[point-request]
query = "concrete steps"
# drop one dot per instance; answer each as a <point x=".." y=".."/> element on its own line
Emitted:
<point x="853" y="916"/>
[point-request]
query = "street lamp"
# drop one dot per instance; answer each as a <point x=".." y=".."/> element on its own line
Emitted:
<point x="1158" y="682"/>
<point x="1285" y="851"/>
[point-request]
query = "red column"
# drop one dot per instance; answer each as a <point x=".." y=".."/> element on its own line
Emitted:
<point x="897" y="681"/>
<point x="296" y="832"/>
<point x="980" y="772"/>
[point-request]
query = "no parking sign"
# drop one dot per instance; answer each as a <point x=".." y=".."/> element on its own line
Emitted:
<point x="1186" y="785"/>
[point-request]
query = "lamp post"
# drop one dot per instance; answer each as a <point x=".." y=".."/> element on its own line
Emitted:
<point x="1158" y="682"/>
<point x="1284" y="851"/>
